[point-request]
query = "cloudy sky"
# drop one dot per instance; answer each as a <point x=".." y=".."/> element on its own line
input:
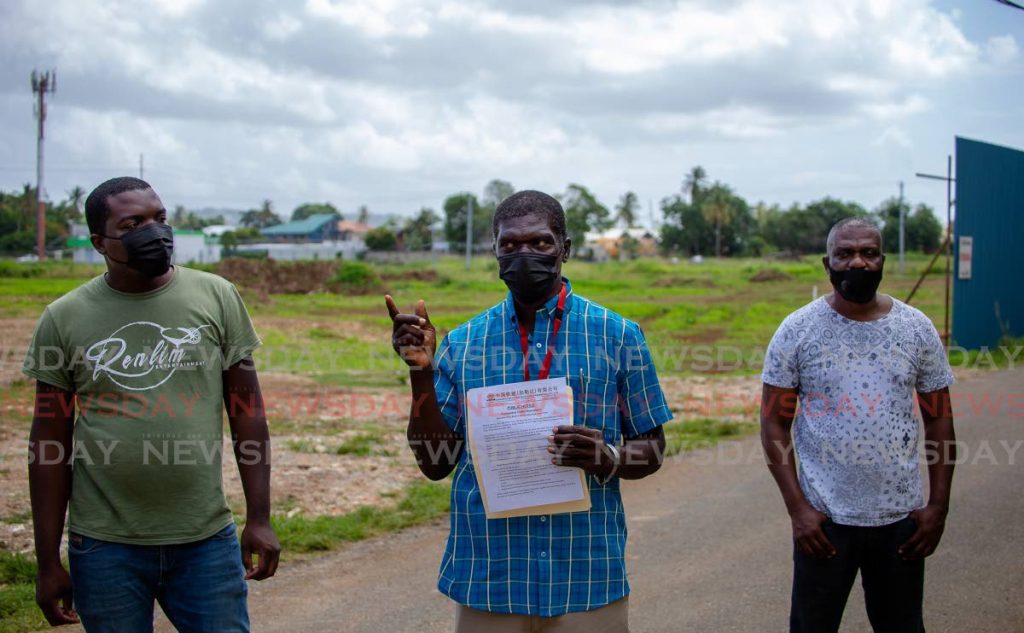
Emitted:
<point x="397" y="103"/>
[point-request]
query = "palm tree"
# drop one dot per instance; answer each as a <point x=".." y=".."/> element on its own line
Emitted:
<point x="694" y="182"/>
<point x="627" y="208"/>
<point x="76" y="198"/>
<point x="717" y="209"/>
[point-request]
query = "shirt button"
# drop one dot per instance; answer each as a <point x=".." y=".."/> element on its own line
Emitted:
<point x="538" y="344"/>
<point x="543" y="519"/>
<point x="543" y="554"/>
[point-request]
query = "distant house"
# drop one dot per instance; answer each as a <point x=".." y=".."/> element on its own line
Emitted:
<point x="320" y="236"/>
<point x="322" y="227"/>
<point x="217" y="230"/>
<point x="609" y="244"/>
<point x="349" y="231"/>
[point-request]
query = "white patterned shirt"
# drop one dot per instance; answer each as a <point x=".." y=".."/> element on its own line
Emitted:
<point x="856" y="432"/>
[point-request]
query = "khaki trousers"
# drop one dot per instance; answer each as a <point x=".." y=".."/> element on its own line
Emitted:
<point x="612" y="618"/>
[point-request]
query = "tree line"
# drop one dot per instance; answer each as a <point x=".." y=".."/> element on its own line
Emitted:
<point x="704" y="217"/>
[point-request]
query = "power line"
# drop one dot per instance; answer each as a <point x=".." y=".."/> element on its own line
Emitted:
<point x="1010" y="3"/>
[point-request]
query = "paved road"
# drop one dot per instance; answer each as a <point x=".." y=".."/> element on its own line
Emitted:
<point x="709" y="548"/>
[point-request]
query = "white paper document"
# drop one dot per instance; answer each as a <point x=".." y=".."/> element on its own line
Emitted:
<point x="509" y="427"/>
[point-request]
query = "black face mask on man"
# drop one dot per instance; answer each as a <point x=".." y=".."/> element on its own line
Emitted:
<point x="529" y="276"/>
<point x="149" y="248"/>
<point x="856" y="285"/>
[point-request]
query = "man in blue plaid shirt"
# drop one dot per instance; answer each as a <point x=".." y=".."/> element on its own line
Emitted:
<point x="562" y="571"/>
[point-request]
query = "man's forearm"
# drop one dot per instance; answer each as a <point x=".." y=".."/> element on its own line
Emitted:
<point x="251" y="440"/>
<point x="641" y="456"/>
<point x="435" y="446"/>
<point x="49" y="481"/>
<point x="939" y="433"/>
<point x="250" y="436"/>
<point x="778" y="449"/>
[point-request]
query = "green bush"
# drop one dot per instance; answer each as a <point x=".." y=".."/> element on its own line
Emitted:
<point x="12" y="269"/>
<point x="355" y="278"/>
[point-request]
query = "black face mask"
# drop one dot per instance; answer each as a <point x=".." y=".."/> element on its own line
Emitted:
<point x="529" y="276"/>
<point x="149" y="248"/>
<point x="857" y="285"/>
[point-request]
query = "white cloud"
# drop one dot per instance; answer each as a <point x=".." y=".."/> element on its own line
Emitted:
<point x="344" y="96"/>
<point x="281" y="27"/>
<point x="1002" y="49"/>
<point x="732" y="122"/>
<point x="913" y="104"/>
<point x="174" y="8"/>
<point x="377" y="18"/>
<point x="893" y="135"/>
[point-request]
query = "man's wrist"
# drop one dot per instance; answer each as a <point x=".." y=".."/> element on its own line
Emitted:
<point x="47" y="563"/>
<point x="615" y="456"/>
<point x="258" y="517"/>
<point x="797" y="506"/>
<point x="421" y="376"/>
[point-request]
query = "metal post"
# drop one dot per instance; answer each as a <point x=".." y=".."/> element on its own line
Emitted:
<point x="949" y="240"/>
<point x="40" y="204"/>
<point x="903" y="229"/>
<point x="469" y="231"/>
<point x="42" y="83"/>
<point x="947" y="245"/>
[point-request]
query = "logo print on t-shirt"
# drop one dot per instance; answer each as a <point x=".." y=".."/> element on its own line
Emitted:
<point x="143" y="355"/>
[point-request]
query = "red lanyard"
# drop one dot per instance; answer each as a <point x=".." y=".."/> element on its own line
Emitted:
<point x="523" y="335"/>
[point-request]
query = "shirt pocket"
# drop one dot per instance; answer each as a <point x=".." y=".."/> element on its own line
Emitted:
<point x="596" y="403"/>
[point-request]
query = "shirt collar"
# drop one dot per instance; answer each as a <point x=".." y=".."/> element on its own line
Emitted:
<point x="548" y="308"/>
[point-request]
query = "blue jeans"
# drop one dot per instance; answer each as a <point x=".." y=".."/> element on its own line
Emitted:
<point x="200" y="586"/>
<point x="893" y="587"/>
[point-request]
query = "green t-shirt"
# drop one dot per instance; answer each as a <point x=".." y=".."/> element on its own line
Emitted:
<point x="146" y="372"/>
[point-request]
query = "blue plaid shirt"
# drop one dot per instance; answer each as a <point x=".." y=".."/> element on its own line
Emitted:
<point x="553" y="564"/>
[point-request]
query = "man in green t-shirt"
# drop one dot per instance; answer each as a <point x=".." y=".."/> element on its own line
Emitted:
<point x="148" y="354"/>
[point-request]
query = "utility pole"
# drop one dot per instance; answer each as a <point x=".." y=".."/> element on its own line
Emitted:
<point x="42" y="83"/>
<point x="140" y="167"/>
<point x="948" y="244"/>
<point x="903" y="228"/>
<point x="469" y="231"/>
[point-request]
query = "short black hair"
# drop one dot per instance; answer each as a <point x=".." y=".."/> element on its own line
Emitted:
<point x="856" y="220"/>
<point x="530" y="202"/>
<point x="96" y="209"/>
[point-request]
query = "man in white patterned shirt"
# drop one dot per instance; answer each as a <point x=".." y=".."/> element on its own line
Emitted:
<point x="846" y="367"/>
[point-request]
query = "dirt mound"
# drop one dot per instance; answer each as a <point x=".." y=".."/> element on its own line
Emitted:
<point x="767" y="274"/>
<point x="413" y="275"/>
<point x="268" y="276"/>
<point x="675" y="281"/>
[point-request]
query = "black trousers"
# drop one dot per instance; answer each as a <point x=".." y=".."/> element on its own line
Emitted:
<point x="893" y="587"/>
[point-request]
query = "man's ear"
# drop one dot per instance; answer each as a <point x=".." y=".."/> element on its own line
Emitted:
<point x="97" y="243"/>
<point x="824" y="262"/>
<point x="566" y="249"/>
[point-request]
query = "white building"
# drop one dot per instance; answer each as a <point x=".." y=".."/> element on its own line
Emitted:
<point x="190" y="247"/>
<point x="287" y="252"/>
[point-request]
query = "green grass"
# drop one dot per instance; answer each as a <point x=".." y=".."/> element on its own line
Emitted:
<point x="687" y="435"/>
<point x="1007" y="354"/>
<point x="342" y="339"/>
<point x="421" y="502"/>
<point x="18" y="610"/>
<point x="365" y="444"/>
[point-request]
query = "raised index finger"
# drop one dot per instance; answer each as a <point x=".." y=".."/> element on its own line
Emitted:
<point x="392" y="308"/>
